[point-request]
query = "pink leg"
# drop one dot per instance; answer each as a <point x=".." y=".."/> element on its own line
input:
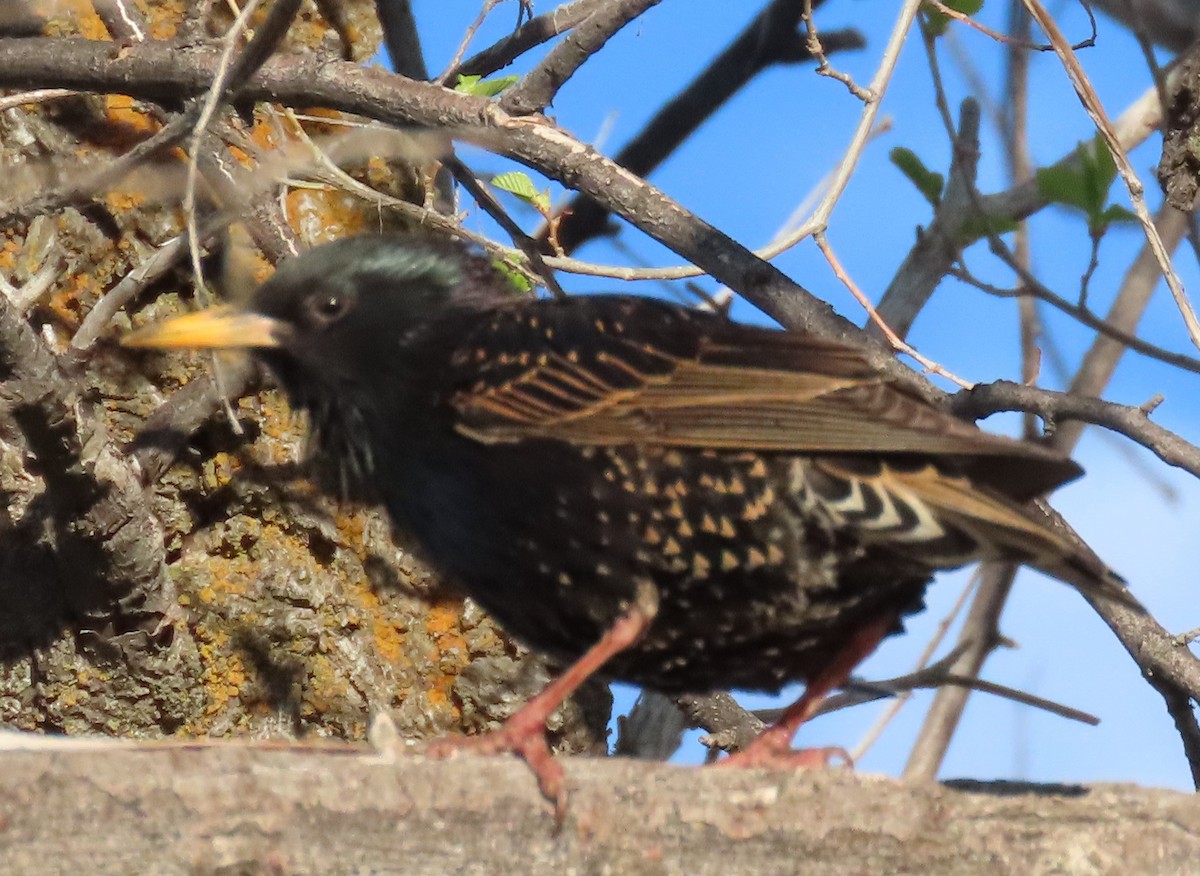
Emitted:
<point x="773" y="747"/>
<point x="524" y="734"/>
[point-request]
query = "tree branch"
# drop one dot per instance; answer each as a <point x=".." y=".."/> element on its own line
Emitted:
<point x="237" y="808"/>
<point x="985" y="399"/>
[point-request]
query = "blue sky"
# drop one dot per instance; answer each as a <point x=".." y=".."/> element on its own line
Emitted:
<point x="750" y="166"/>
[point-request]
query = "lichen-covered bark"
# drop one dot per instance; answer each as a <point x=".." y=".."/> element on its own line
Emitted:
<point x="268" y="608"/>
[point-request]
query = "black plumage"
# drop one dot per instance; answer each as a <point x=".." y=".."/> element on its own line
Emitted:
<point x="762" y="495"/>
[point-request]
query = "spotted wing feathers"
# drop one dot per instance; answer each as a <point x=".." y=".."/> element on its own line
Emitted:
<point x="625" y="370"/>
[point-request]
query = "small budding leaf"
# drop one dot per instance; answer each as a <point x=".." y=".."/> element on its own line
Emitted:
<point x="1114" y="213"/>
<point x="936" y="22"/>
<point x="929" y="183"/>
<point x="481" y="87"/>
<point x="1084" y="185"/>
<point x="1062" y="184"/>
<point x="520" y="283"/>
<point x="517" y="183"/>
<point x="976" y="227"/>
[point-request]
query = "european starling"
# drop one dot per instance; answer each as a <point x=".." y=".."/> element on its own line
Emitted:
<point x="656" y="493"/>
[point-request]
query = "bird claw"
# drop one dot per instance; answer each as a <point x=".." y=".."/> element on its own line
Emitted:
<point x="531" y="747"/>
<point x="773" y="756"/>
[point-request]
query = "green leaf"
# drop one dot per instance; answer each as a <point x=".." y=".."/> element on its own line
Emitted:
<point x="519" y="281"/>
<point x="978" y="227"/>
<point x="929" y="183"/>
<point x="517" y="183"/>
<point x="1084" y="185"/>
<point x="1115" y="213"/>
<point x="1063" y="184"/>
<point x="1099" y="171"/>
<point x="937" y="22"/>
<point x="481" y="87"/>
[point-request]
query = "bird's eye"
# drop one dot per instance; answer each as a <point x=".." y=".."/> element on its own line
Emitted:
<point x="327" y="306"/>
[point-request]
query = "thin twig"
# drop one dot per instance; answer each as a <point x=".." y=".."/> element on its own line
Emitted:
<point x="216" y="93"/>
<point x="893" y="709"/>
<point x="866" y="122"/>
<point x="107" y="175"/>
<point x="1020" y="43"/>
<point x="979" y="628"/>
<point x="892" y="338"/>
<point x="1030" y="285"/>
<point x="444" y="77"/>
<point x="38" y="95"/>
<point x="824" y="68"/>
<point x="484" y="198"/>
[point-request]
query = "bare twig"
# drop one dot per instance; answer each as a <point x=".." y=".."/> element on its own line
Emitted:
<point x="39" y="95"/>
<point x="1136" y="289"/>
<point x="892" y="338"/>
<point x="1022" y="42"/>
<point x="468" y="35"/>
<point x="1030" y="285"/>
<point x="493" y="208"/>
<point x="943" y="628"/>
<point x="122" y="19"/>
<point x="230" y="75"/>
<point x="730" y="727"/>
<point x="90" y="185"/>
<point x="938" y="246"/>
<point x="824" y="68"/>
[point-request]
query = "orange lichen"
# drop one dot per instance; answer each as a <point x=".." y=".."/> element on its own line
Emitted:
<point x="352" y="527"/>
<point x="67" y="304"/>
<point x="8" y="254"/>
<point x="386" y="635"/>
<point x="321" y="215"/>
<point x="439" y="694"/>
<point x="388" y="639"/>
<point x="119" y="109"/>
<point x="223" y="674"/>
<point x="121" y="201"/>
<point x="220" y="470"/>
<point x="313" y="126"/>
<point x="444" y="625"/>
<point x="80" y="15"/>
<point x="443" y="617"/>
<point x="163" y="17"/>
<point x="265" y="134"/>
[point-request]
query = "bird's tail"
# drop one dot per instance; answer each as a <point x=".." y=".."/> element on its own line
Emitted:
<point x="1076" y="563"/>
<point x="937" y="519"/>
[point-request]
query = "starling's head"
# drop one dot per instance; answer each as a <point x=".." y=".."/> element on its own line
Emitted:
<point x="339" y="312"/>
<point x="334" y="324"/>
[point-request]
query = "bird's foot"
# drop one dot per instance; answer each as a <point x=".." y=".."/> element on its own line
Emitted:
<point x="771" y="753"/>
<point x="522" y="736"/>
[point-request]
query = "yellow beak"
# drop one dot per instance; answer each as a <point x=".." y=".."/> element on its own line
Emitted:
<point x="211" y="329"/>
